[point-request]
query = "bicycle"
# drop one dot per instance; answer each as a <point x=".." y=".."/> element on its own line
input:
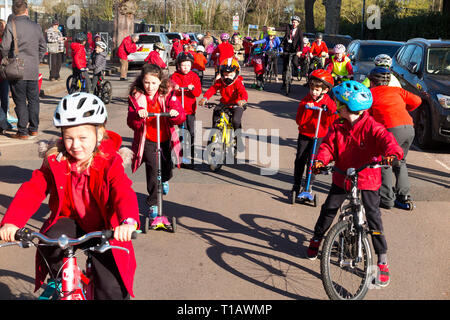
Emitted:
<point x="288" y="75"/>
<point x="221" y="142"/>
<point x="338" y="79"/>
<point x="269" y="74"/>
<point x="346" y="263"/>
<point x="303" y="68"/>
<point x="74" y="284"/>
<point x="103" y="89"/>
<point x="315" y="63"/>
<point x="76" y="83"/>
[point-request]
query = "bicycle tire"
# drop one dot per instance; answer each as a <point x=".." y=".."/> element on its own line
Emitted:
<point x="71" y="85"/>
<point x="341" y="233"/>
<point x="146" y="225"/>
<point x="106" y="92"/>
<point x="215" y="156"/>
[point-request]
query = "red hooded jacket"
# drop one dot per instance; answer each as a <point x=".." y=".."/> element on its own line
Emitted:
<point x="354" y="146"/>
<point x="223" y="51"/>
<point x="126" y="47"/>
<point x="110" y="187"/>
<point x="183" y="80"/>
<point x="230" y="94"/>
<point x="78" y="55"/>
<point x="307" y="118"/>
<point x="155" y="58"/>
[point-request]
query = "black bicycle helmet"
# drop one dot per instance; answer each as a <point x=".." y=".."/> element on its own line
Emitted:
<point x="80" y="37"/>
<point x="379" y="76"/>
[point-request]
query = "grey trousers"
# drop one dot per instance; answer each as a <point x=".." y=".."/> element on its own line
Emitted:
<point x="404" y="136"/>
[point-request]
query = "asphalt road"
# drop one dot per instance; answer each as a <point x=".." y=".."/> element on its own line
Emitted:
<point x="238" y="237"/>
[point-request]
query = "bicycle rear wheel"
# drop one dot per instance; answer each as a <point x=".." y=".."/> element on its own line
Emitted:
<point x="215" y="153"/>
<point x="343" y="278"/>
<point x="73" y="84"/>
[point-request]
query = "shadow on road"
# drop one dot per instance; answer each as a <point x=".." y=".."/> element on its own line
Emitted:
<point x="16" y="286"/>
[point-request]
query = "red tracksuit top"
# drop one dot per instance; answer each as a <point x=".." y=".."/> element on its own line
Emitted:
<point x="230" y="94"/>
<point x="78" y="55"/>
<point x="183" y="80"/>
<point x="307" y="119"/>
<point x="155" y="58"/>
<point x="225" y="51"/>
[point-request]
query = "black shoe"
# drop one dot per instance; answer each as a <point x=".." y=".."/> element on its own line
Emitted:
<point x="385" y="206"/>
<point x="123" y="79"/>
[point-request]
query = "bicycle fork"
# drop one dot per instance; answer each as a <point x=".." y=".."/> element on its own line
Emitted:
<point x="73" y="280"/>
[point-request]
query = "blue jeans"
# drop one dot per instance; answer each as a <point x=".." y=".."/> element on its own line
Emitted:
<point x="25" y="94"/>
<point x="4" y="101"/>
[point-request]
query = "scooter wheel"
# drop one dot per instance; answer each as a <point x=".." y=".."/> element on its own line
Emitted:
<point x="315" y="200"/>
<point x="174" y="224"/>
<point x="410" y="205"/>
<point x="146" y="224"/>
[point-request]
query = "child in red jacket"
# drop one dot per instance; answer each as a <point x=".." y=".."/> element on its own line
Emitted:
<point x="79" y="62"/>
<point x="353" y="141"/>
<point x="319" y="82"/>
<point x="232" y="91"/>
<point x="154" y="57"/>
<point x="89" y="191"/>
<point x="257" y="61"/>
<point x="186" y="78"/>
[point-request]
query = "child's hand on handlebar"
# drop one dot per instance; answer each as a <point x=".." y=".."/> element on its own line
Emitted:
<point x="123" y="232"/>
<point x="143" y="113"/>
<point x="202" y="102"/>
<point x="317" y="166"/>
<point x="241" y="103"/>
<point x="173" y="113"/>
<point x="190" y="87"/>
<point x="8" y="231"/>
<point x="387" y="161"/>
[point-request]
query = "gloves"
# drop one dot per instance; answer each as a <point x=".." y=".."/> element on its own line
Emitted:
<point x="387" y="161"/>
<point x="202" y="102"/>
<point x="317" y="166"/>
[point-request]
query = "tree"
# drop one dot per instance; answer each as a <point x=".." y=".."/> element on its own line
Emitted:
<point x="123" y="20"/>
<point x="332" y="15"/>
<point x="309" y="16"/>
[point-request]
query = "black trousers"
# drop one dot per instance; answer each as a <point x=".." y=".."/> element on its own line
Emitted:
<point x="77" y="72"/>
<point x="236" y="118"/>
<point x="55" y="62"/>
<point x="25" y="94"/>
<point x="189" y="126"/>
<point x="304" y="148"/>
<point x="371" y="203"/>
<point x="274" y="57"/>
<point x="151" y="167"/>
<point x="108" y="284"/>
<point x="285" y="64"/>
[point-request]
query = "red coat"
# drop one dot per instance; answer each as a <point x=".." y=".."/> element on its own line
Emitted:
<point x="155" y="58"/>
<point x="223" y="51"/>
<point x="137" y="102"/>
<point x="354" y="146"/>
<point x="78" y="55"/>
<point x="200" y="61"/>
<point x="316" y="49"/>
<point x="183" y="80"/>
<point x="258" y="64"/>
<point x="230" y="94"/>
<point x="307" y="119"/>
<point x="110" y="186"/>
<point x="126" y="47"/>
<point x="176" y="49"/>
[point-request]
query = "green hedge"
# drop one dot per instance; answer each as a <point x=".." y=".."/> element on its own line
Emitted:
<point x="428" y="26"/>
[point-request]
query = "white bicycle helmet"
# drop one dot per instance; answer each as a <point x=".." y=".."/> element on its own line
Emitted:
<point x="295" y="18"/>
<point x="383" y="60"/>
<point x="200" y="48"/>
<point x="305" y="40"/>
<point x="339" y="48"/>
<point x="101" y="44"/>
<point x="79" y="108"/>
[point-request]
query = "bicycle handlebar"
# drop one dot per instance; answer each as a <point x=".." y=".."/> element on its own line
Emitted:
<point x="352" y="171"/>
<point x="210" y="105"/>
<point x="162" y="114"/>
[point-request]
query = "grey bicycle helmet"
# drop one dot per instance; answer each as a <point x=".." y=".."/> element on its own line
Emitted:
<point x="295" y="18"/>
<point x="383" y="60"/>
<point x="80" y="108"/>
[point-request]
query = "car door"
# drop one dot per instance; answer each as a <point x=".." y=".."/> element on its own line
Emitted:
<point x="414" y="77"/>
<point x="401" y="69"/>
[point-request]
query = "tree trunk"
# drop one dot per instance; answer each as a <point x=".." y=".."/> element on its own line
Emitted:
<point x="332" y="15"/>
<point x="309" y="16"/>
<point x="123" y="22"/>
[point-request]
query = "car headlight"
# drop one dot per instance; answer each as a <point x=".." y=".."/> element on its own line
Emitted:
<point x="444" y="100"/>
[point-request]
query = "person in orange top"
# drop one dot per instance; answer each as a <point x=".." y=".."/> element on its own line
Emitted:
<point x="319" y="50"/>
<point x="200" y="62"/>
<point x="391" y="107"/>
<point x="319" y="82"/>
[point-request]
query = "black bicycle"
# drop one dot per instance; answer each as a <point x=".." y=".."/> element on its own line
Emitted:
<point x="76" y="83"/>
<point x="103" y="89"/>
<point x="269" y="73"/>
<point x="288" y="75"/>
<point x="346" y="264"/>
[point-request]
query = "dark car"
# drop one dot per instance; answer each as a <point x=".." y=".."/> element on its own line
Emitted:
<point x="362" y="53"/>
<point x="423" y="68"/>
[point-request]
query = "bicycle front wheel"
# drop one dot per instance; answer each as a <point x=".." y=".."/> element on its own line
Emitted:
<point x="73" y="84"/>
<point x="343" y="277"/>
<point x="106" y="92"/>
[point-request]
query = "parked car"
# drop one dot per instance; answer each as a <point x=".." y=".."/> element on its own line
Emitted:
<point x="193" y="36"/>
<point x="423" y="68"/>
<point x="174" y="35"/>
<point x="148" y="39"/>
<point x="362" y="53"/>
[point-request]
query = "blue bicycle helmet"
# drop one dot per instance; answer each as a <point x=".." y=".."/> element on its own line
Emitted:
<point x="355" y="95"/>
<point x="257" y="50"/>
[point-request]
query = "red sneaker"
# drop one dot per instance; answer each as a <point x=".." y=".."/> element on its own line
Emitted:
<point x="383" y="275"/>
<point x="313" y="249"/>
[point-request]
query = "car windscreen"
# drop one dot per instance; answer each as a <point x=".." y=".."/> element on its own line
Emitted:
<point x="369" y="52"/>
<point x="147" y="38"/>
<point x="438" y="61"/>
<point x="173" y="36"/>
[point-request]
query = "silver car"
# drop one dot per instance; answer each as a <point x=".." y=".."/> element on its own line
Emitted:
<point x="147" y="40"/>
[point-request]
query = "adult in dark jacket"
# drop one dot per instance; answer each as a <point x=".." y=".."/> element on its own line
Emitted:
<point x="32" y="47"/>
<point x="292" y="43"/>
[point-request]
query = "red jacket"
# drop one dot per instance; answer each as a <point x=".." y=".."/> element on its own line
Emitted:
<point x="258" y="64"/>
<point x="78" y="55"/>
<point x="200" y="61"/>
<point x="176" y="49"/>
<point x="230" y="94"/>
<point x="223" y="51"/>
<point x="316" y="49"/>
<point x="155" y="58"/>
<point x="307" y="119"/>
<point x="137" y="102"/>
<point x="110" y="186"/>
<point x="354" y="146"/>
<point x="126" y="47"/>
<point x="183" y="80"/>
<point x="391" y="105"/>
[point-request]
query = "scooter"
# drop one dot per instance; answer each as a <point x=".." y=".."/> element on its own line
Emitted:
<point x="307" y="196"/>
<point x="160" y="221"/>
<point x="185" y="145"/>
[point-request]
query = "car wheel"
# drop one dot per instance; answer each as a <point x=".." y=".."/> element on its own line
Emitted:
<point x="422" y="127"/>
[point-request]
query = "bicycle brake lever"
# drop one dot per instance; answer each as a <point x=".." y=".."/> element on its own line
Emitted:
<point x="106" y="247"/>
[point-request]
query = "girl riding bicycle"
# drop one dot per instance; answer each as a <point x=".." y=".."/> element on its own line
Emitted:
<point x="353" y="141"/>
<point x="271" y="47"/>
<point x="152" y="92"/>
<point x="340" y="65"/>
<point x="89" y="191"/>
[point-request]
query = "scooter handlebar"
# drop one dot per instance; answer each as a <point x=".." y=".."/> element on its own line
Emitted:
<point x="323" y="107"/>
<point x="162" y="114"/>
